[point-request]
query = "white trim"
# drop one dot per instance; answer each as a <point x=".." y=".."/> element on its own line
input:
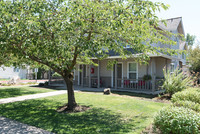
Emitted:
<point x="86" y="66"/>
<point x="112" y="77"/>
<point x="150" y="55"/>
<point x="78" y="74"/>
<point x="113" y="72"/>
<point x="128" y="69"/>
<point x="74" y="74"/>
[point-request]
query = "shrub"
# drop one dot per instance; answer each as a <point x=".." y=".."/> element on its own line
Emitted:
<point x="176" y="81"/>
<point x="56" y="75"/>
<point x="177" y="120"/>
<point x="188" y="104"/>
<point x="187" y="95"/>
<point x="46" y="83"/>
<point x="147" y="77"/>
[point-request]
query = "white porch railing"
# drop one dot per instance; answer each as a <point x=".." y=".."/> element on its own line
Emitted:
<point x="94" y="82"/>
<point x="139" y="84"/>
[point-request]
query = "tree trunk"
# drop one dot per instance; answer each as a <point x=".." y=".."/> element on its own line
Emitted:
<point x="70" y="91"/>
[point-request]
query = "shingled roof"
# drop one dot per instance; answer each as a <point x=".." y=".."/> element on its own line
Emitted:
<point x="172" y="24"/>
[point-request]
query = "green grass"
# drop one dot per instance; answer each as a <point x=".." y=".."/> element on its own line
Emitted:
<point x="7" y="92"/>
<point x="109" y="114"/>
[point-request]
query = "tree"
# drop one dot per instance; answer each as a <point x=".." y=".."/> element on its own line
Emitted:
<point x="190" y="39"/>
<point x="60" y="34"/>
<point x="194" y="59"/>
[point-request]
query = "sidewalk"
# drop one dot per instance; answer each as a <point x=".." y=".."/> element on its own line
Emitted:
<point x="8" y="126"/>
<point x="32" y="96"/>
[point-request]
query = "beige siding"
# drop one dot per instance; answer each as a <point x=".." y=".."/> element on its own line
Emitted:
<point x="160" y="64"/>
<point x="103" y="69"/>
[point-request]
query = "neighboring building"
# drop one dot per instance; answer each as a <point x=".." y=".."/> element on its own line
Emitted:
<point x="10" y="72"/>
<point x="22" y="73"/>
<point x="128" y="74"/>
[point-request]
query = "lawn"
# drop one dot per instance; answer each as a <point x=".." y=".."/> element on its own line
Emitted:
<point x="6" y="92"/>
<point x="108" y="114"/>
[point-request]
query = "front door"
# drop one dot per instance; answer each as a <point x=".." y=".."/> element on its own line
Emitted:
<point x="119" y="75"/>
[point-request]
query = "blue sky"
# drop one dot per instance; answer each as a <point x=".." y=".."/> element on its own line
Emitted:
<point x="188" y="9"/>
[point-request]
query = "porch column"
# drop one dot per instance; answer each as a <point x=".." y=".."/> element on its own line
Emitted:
<point x="82" y="75"/>
<point x="153" y="69"/>
<point x="166" y="64"/>
<point x="98" y="75"/>
<point x="115" y="76"/>
<point x="78" y="75"/>
<point x="49" y="77"/>
<point x="89" y="76"/>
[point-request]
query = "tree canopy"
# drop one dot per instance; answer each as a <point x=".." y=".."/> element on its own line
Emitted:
<point x="60" y="34"/>
<point x="190" y="39"/>
<point x="194" y="59"/>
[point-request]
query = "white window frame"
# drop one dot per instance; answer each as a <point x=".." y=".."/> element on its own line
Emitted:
<point x="16" y="70"/>
<point x="74" y="74"/>
<point x="172" y="65"/>
<point x="132" y="71"/>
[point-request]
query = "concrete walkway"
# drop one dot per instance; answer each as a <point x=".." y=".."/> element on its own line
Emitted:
<point x="8" y="126"/>
<point x="32" y="96"/>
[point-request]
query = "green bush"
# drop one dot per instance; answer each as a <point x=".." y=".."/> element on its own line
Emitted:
<point x="188" y="104"/>
<point x="187" y="95"/>
<point x="176" y="81"/>
<point x="177" y="120"/>
<point x="56" y="75"/>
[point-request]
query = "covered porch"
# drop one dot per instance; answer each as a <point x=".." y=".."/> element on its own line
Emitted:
<point x="125" y="75"/>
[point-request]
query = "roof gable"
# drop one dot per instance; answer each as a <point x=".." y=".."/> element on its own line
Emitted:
<point x="172" y="25"/>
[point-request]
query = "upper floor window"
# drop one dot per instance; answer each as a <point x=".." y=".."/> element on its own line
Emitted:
<point x="172" y="67"/>
<point x="16" y="69"/>
<point x="183" y="56"/>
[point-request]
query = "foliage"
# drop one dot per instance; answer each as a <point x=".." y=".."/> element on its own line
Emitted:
<point x="187" y="95"/>
<point x="60" y="34"/>
<point x="194" y="59"/>
<point x="176" y="81"/>
<point x="188" y="104"/>
<point x="196" y="78"/>
<point x="147" y="77"/>
<point x="190" y="39"/>
<point x="177" y="120"/>
<point x="107" y="114"/>
<point x="56" y="75"/>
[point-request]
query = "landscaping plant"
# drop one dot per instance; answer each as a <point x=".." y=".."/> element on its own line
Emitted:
<point x="176" y="81"/>
<point x="177" y="120"/>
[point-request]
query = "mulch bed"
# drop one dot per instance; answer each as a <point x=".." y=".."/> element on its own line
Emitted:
<point x="150" y="130"/>
<point x="78" y="108"/>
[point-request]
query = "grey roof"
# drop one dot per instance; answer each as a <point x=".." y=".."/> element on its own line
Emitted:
<point x="172" y="24"/>
<point x="128" y="50"/>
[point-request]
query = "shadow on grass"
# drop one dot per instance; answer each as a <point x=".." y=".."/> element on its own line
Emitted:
<point x="149" y="96"/>
<point x="42" y="114"/>
<point x="13" y="92"/>
<point x="48" y="87"/>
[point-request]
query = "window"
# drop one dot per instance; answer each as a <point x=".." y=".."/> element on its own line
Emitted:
<point x="183" y="56"/>
<point x="16" y="69"/>
<point x="172" y="67"/>
<point x="132" y="70"/>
